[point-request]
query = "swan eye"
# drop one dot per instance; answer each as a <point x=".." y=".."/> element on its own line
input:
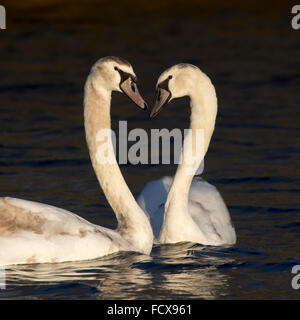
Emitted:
<point x="116" y="68"/>
<point x="170" y="77"/>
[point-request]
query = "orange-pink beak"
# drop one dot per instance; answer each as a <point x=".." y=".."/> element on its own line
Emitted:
<point x="130" y="88"/>
<point x="162" y="98"/>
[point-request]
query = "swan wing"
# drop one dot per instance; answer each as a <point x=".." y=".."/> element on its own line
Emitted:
<point x="32" y="232"/>
<point x="210" y="213"/>
<point x="152" y="200"/>
<point x="206" y="207"/>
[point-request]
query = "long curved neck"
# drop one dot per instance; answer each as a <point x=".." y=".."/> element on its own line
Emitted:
<point x="202" y="123"/>
<point x="133" y="224"/>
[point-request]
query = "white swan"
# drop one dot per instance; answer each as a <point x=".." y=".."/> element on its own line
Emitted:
<point x="32" y="232"/>
<point x="187" y="208"/>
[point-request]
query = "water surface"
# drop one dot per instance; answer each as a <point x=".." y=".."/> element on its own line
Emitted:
<point x="253" y="61"/>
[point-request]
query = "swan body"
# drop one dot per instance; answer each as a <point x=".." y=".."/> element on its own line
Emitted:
<point x="32" y="232"/>
<point x="206" y="208"/>
<point x="185" y="208"/>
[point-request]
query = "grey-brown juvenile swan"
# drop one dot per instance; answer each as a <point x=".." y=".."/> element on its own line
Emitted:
<point x="32" y="232"/>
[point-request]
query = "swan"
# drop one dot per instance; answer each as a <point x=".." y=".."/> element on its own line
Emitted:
<point x="32" y="232"/>
<point x="187" y="208"/>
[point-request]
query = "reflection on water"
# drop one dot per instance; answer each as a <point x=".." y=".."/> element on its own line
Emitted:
<point x="173" y="271"/>
<point x="191" y="271"/>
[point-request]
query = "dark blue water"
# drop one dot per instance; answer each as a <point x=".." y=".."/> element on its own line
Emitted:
<point x="253" y="157"/>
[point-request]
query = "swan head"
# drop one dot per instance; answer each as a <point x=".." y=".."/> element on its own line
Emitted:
<point x="116" y="74"/>
<point x="177" y="81"/>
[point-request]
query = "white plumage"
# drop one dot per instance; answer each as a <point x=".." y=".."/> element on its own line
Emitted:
<point x="206" y="207"/>
<point x="33" y="232"/>
<point x="184" y="208"/>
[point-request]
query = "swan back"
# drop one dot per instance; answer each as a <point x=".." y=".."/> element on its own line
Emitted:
<point x="32" y="232"/>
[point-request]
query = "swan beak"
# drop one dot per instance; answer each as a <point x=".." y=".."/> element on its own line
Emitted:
<point x="130" y="88"/>
<point x="163" y="97"/>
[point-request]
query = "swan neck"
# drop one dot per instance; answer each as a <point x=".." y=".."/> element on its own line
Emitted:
<point x="203" y="104"/>
<point x="133" y="224"/>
